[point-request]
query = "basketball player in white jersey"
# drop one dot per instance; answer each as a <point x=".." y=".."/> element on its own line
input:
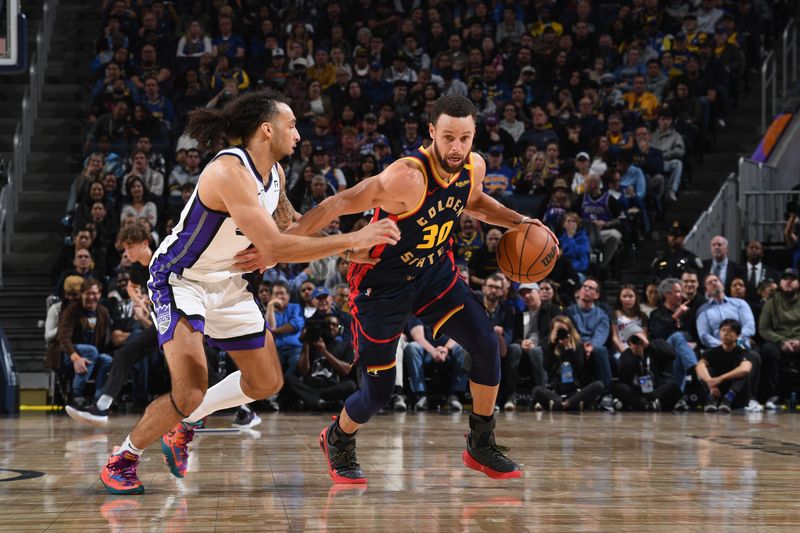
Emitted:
<point x="196" y="282"/>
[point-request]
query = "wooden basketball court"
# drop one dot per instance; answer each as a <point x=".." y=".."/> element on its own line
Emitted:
<point x="590" y="472"/>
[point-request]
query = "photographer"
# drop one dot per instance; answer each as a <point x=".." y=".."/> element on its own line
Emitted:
<point x="645" y="381"/>
<point x="564" y="359"/>
<point x="324" y="365"/>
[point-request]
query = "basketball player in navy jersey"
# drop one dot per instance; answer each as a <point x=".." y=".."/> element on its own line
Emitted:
<point x="424" y="193"/>
<point x="196" y="282"/>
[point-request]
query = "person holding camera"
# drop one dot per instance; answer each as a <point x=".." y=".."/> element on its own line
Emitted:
<point x="324" y="365"/>
<point x="724" y="371"/>
<point x="644" y="369"/>
<point x="564" y="358"/>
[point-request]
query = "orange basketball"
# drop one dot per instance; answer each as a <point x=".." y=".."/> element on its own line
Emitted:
<point x="527" y="255"/>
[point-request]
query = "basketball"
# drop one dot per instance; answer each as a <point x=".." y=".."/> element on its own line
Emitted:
<point x="528" y="255"/>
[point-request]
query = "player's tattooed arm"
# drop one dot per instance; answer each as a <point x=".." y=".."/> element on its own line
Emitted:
<point x="284" y="213"/>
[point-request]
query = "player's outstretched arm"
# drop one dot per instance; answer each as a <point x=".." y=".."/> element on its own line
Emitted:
<point x="486" y="209"/>
<point x="230" y="188"/>
<point x="397" y="188"/>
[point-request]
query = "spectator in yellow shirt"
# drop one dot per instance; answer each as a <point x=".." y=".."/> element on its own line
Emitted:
<point x="640" y="101"/>
<point x="323" y="70"/>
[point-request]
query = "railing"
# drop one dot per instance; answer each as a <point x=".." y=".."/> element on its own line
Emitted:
<point x="769" y="82"/>
<point x="789" y="43"/>
<point x="721" y="218"/>
<point x="9" y="198"/>
<point x="764" y="214"/>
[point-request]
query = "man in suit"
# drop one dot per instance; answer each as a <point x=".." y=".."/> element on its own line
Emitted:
<point x="756" y="270"/>
<point x="720" y="265"/>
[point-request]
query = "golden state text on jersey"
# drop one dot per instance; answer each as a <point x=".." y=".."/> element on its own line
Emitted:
<point x="426" y="230"/>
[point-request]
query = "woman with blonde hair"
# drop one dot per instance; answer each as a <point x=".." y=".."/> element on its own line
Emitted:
<point x="564" y="358"/>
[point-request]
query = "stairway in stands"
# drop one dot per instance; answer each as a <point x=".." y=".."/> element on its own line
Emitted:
<point x="54" y="162"/>
<point x="738" y="139"/>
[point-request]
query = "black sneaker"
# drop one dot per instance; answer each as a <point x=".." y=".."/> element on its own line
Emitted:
<point x="271" y="404"/>
<point x="724" y="407"/>
<point x="340" y="454"/>
<point x="484" y="455"/>
<point x="681" y="406"/>
<point x="246" y="418"/>
<point x="91" y="415"/>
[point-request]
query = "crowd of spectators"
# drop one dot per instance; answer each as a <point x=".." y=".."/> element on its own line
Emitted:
<point x="590" y="117"/>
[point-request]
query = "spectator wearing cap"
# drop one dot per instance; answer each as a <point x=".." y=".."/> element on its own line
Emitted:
<point x="525" y="353"/>
<point x="400" y="104"/>
<point x="558" y="204"/>
<point x="676" y="259"/>
<point x="779" y="326"/>
<point x="489" y="133"/>
<point x="611" y="99"/>
<point x="376" y="88"/>
<point x="477" y="94"/>
<point x="400" y="71"/>
<point x="321" y="299"/>
<point x="497" y="182"/>
<point x="645" y="373"/>
<point x="582" y="171"/>
<point x="369" y="133"/>
<point x="333" y="176"/>
<point x="323" y="70"/>
<point x="693" y="36"/>
<point x="600" y="209"/>
<point x="671" y="145"/>
<point x="383" y="153"/>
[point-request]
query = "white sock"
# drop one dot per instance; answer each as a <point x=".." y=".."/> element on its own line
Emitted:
<point x="128" y="446"/>
<point x="225" y="394"/>
<point x="104" y="402"/>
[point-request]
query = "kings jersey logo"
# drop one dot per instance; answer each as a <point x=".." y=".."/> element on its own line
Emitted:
<point x="163" y="317"/>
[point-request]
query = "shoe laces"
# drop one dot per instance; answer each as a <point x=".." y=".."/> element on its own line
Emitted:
<point x="184" y="435"/>
<point x="124" y="468"/>
<point x="345" y="456"/>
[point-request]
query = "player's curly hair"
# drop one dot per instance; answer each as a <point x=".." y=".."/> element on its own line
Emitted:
<point x="453" y="106"/>
<point x="134" y="234"/>
<point x="239" y="119"/>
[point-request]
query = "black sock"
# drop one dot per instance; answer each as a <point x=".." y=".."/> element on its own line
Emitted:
<point x="339" y="434"/>
<point x="397" y="389"/>
<point x="483" y="418"/>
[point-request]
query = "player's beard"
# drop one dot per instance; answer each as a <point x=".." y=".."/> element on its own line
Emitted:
<point x="446" y="166"/>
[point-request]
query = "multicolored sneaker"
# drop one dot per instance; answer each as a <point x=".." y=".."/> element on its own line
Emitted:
<point x="484" y="455"/>
<point x="175" y="446"/>
<point x="340" y="454"/>
<point x="119" y="475"/>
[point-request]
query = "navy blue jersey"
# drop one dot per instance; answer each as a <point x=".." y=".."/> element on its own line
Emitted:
<point x="425" y="230"/>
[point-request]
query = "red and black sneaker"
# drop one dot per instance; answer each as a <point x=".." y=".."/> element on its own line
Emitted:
<point x="484" y="455"/>
<point x="340" y="453"/>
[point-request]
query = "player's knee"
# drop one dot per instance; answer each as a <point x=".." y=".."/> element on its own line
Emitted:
<point x="188" y="399"/>
<point x="268" y="387"/>
<point x="485" y="360"/>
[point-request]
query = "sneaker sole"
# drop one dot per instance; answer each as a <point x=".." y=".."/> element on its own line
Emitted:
<point x="170" y="460"/>
<point x="121" y="492"/>
<point x="470" y="462"/>
<point x="86" y="418"/>
<point x="339" y="480"/>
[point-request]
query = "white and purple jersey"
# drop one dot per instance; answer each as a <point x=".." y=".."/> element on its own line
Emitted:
<point x="203" y="244"/>
<point x="192" y="274"/>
